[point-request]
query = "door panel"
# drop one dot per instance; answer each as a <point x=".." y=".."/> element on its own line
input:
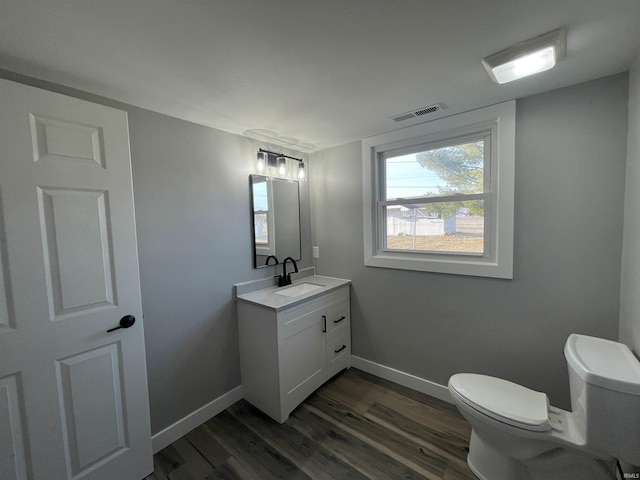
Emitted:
<point x="12" y="460"/>
<point x="90" y="391"/>
<point x="6" y="312"/>
<point x="77" y="250"/>
<point x="70" y="272"/>
<point x="57" y="140"/>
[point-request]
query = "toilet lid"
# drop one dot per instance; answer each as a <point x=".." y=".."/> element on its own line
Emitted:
<point x="504" y="401"/>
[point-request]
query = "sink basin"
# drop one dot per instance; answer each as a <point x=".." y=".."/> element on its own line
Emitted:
<point x="299" y="289"/>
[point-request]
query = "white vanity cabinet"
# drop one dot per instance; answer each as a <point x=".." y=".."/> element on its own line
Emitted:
<point x="286" y="354"/>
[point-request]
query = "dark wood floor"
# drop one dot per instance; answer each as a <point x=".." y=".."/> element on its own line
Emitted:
<point x="356" y="426"/>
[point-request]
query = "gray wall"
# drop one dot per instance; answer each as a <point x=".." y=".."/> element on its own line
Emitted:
<point x="193" y="217"/>
<point x="191" y="188"/>
<point x="570" y="167"/>
<point x="189" y="179"/>
<point x="630" y="280"/>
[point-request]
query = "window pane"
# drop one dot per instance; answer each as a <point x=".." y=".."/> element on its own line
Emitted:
<point x="436" y="227"/>
<point x="261" y="226"/>
<point x="260" y="196"/>
<point x="450" y="170"/>
<point x="261" y="211"/>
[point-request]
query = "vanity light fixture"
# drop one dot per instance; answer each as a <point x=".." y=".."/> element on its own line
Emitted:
<point x="276" y="165"/>
<point x="526" y="58"/>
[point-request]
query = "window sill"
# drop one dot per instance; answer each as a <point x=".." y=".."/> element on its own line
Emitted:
<point x="458" y="265"/>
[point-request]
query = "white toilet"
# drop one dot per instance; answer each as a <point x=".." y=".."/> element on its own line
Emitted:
<point x="517" y="435"/>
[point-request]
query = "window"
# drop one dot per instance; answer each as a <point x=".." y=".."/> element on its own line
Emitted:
<point x="433" y="197"/>
<point x="439" y="196"/>
<point x="262" y="216"/>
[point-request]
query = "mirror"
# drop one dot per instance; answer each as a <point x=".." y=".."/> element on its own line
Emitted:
<point x="275" y="209"/>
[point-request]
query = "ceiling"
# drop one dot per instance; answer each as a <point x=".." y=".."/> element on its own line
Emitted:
<point x="322" y="72"/>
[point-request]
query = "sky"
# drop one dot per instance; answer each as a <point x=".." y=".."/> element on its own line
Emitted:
<point x="406" y="178"/>
<point x="260" y="196"/>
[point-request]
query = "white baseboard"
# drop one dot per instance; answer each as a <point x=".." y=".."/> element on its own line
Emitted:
<point x="402" y="378"/>
<point x="183" y="426"/>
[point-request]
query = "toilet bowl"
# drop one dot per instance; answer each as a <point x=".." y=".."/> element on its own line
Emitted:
<point x="517" y="435"/>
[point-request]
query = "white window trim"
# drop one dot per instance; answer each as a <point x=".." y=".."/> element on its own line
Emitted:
<point x="498" y="263"/>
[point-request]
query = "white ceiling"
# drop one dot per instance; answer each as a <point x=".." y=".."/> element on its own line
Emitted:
<point x="324" y="72"/>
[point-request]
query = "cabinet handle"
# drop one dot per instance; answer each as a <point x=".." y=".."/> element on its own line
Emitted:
<point x="340" y="349"/>
<point x="324" y="323"/>
<point x="339" y="320"/>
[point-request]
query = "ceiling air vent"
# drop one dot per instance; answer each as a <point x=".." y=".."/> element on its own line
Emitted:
<point x="436" y="107"/>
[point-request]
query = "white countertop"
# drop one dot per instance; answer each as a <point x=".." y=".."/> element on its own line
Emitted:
<point x="267" y="297"/>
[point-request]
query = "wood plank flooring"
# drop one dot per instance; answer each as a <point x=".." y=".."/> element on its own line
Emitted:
<point x="356" y="426"/>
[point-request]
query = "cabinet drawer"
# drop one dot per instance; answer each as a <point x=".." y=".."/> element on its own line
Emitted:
<point x="339" y="352"/>
<point x="337" y="316"/>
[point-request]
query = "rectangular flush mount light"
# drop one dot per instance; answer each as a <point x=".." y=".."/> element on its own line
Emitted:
<point x="526" y="58"/>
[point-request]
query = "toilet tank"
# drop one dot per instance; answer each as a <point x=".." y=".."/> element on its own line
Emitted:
<point x="604" y="378"/>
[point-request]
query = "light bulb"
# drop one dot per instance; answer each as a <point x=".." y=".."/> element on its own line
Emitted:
<point x="260" y="164"/>
<point x="301" y="173"/>
<point x="282" y="166"/>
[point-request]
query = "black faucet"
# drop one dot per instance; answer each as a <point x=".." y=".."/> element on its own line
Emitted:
<point x="269" y="258"/>
<point x="285" y="278"/>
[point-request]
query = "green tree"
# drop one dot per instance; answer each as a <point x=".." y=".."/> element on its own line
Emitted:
<point x="461" y="167"/>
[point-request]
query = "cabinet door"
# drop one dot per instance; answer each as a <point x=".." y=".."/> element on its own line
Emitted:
<point x="302" y="359"/>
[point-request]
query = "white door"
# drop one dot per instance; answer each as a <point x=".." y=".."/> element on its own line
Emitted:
<point x="73" y="398"/>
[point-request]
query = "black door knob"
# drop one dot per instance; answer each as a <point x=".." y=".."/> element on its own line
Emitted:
<point x="125" y="322"/>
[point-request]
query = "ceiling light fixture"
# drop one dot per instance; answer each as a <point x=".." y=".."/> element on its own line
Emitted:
<point x="526" y="58"/>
